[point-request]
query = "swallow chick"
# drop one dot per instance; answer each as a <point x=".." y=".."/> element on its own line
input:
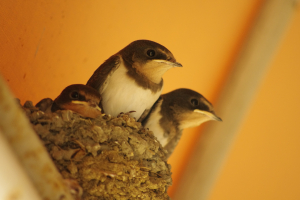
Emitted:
<point x="175" y="111"/>
<point x="45" y="105"/>
<point x="79" y="98"/>
<point x="131" y="80"/>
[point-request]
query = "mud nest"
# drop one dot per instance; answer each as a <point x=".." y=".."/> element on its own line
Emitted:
<point x="110" y="157"/>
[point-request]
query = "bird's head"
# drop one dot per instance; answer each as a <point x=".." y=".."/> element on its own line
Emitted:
<point x="79" y="98"/>
<point x="149" y="59"/>
<point x="189" y="108"/>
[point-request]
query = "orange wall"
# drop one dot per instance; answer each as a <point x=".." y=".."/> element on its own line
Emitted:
<point x="47" y="46"/>
<point x="264" y="160"/>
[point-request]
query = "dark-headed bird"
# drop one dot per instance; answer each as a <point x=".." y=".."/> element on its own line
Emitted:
<point x="175" y="111"/>
<point x="79" y="98"/>
<point x="131" y="80"/>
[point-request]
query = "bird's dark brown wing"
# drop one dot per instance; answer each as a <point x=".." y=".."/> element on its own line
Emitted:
<point x="102" y="75"/>
<point x="147" y="112"/>
<point x="170" y="146"/>
<point x="144" y="115"/>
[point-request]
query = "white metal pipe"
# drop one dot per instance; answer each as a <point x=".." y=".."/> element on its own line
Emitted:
<point x="28" y="148"/>
<point x="14" y="182"/>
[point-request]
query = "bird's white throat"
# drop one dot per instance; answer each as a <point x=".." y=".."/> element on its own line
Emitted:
<point x="153" y="70"/>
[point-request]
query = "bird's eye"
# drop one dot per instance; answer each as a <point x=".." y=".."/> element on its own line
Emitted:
<point x="195" y="102"/>
<point x="151" y="53"/>
<point x="74" y="95"/>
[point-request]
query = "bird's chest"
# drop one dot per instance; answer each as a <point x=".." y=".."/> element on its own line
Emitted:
<point x="123" y="94"/>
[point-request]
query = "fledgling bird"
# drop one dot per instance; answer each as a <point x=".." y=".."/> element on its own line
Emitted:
<point x="131" y="80"/>
<point x="79" y="98"/>
<point x="45" y="105"/>
<point x="175" y="111"/>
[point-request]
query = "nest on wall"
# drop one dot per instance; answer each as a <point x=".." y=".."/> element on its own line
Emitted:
<point x="109" y="157"/>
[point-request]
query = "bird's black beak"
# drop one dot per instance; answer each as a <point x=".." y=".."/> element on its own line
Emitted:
<point x="171" y="63"/>
<point x="211" y="115"/>
<point x="218" y="118"/>
<point x="94" y="105"/>
<point x="177" y="64"/>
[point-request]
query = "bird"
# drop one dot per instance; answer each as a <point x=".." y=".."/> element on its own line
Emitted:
<point x="79" y="98"/>
<point x="131" y="80"/>
<point x="173" y="112"/>
<point x="45" y="105"/>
